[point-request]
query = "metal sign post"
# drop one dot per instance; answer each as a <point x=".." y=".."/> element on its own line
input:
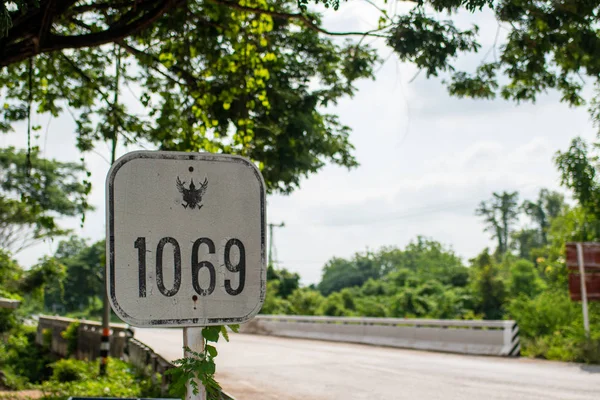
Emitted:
<point x="584" y="305"/>
<point x="192" y="338"/>
<point x="185" y="241"/>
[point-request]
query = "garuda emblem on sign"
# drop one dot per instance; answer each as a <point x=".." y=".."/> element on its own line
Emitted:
<point x="192" y="197"/>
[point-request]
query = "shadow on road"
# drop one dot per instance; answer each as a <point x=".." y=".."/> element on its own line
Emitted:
<point x="592" y="369"/>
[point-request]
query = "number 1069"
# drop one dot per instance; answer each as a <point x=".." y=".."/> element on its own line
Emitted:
<point x="204" y="288"/>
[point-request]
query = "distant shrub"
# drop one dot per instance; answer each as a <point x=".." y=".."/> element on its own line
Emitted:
<point x="68" y="370"/>
<point x="21" y="360"/>
<point x="81" y="378"/>
<point x="71" y="335"/>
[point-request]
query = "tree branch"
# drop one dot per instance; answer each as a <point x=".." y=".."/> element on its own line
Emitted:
<point x="46" y="22"/>
<point x="98" y="7"/>
<point x="20" y="51"/>
<point x="102" y="94"/>
<point x="139" y="54"/>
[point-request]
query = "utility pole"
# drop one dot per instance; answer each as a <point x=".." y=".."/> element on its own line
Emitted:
<point x="272" y="241"/>
<point x="105" y="340"/>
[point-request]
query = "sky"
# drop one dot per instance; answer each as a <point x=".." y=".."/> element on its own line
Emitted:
<point x="426" y="161"/>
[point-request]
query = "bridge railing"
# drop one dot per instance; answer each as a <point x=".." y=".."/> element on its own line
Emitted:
<point x="500" y="338"/>
<point x="89" y="334"/>
<point x="88" y="337"/>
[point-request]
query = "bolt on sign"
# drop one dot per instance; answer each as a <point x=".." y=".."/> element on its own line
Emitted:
<point x="186" y="239"/>
<point x="591" y="268"/>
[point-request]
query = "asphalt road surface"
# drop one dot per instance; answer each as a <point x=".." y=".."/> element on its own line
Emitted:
<point x="252" y="367"/>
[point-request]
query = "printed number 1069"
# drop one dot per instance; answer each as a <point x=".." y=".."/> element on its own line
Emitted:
<point x="201" y="289"/>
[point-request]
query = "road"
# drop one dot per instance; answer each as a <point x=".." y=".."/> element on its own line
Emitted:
<point x="252" y="367"/>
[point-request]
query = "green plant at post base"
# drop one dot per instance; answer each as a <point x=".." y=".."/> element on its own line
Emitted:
<point x="200" y="366"/>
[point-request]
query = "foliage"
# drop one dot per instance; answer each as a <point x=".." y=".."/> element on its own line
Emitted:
<point x="524" y="280"/>
<point x="242" y="71"/>
<point x="338" y="304"/>
<point x="339" y="273"/>
<point x="71" y="335"/>
<point x="28" y="365"/>
<point x="305" y="301"/>
<point x="34" y="193"/>
<point x="25" y="286"/>
<point x="426" y="279"/>
<point x="551" y="326"/>
<point x="548" y="45"/>
<point x="547" y="207"/>
<point x="488" y="286"/>
<point x="274" y="303"/>
<point x="68" y="371"/>
<point x="198" y="366"/>
<point x="82" y="287"/>
<point x="579" y="173"/>
<point x="422" y="260"/>
<point x="72" y="377"/>
<point x="242" y="78"/>
<point x="21" y="360"/>
<point x="500" y="215"/>
<point x="10" y="276"/>
<point x="288" y="281"/>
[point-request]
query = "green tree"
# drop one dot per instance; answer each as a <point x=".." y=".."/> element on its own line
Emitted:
<point x="548" y="44"/>
<point x="488" y="287"/>
<point x="34" y="193"/>
<point x="422" y="260"/>
<point x="409" y="303"/>
<point x="306" y="301"/>
<point x="579" y="173"/>
<point x="548" y="205"/>
<point x="371" y="307"/>
<point x="338" y="304"/>
<point x="451" y="303"/>
<point x="525" y="241"/>
<point x="240" y="73"/>
<point x="428" y="260"/>
<point x="500" y="215"/>
<point x="288" y="281"/>
<point x="273" y="303"/>
<point x="340" y="273"/>
<point x="524" y="280"/>
<point x="83" y="285"/>
<point x="24" y="285"/>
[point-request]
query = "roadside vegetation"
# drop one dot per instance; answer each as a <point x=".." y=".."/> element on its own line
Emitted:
<point x="26" y="367"/>
<point x="524" y="278"/>
<point x="259" y="78"/>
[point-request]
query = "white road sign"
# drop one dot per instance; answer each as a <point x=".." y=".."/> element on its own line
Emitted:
<point x="185" y="239"/>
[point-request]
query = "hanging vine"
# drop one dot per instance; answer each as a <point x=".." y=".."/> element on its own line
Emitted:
<point x="29" y="103"/>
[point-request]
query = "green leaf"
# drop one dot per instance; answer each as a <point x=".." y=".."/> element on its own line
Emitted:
<point x="211" y="350"/>
<point x="225" y="333"/>
<point x="211" y="333"/>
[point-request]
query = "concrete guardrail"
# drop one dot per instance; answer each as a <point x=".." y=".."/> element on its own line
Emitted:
<point x="88" y="337"/>
<point x="9" y="303"/>
<point x="498" y="338"/>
